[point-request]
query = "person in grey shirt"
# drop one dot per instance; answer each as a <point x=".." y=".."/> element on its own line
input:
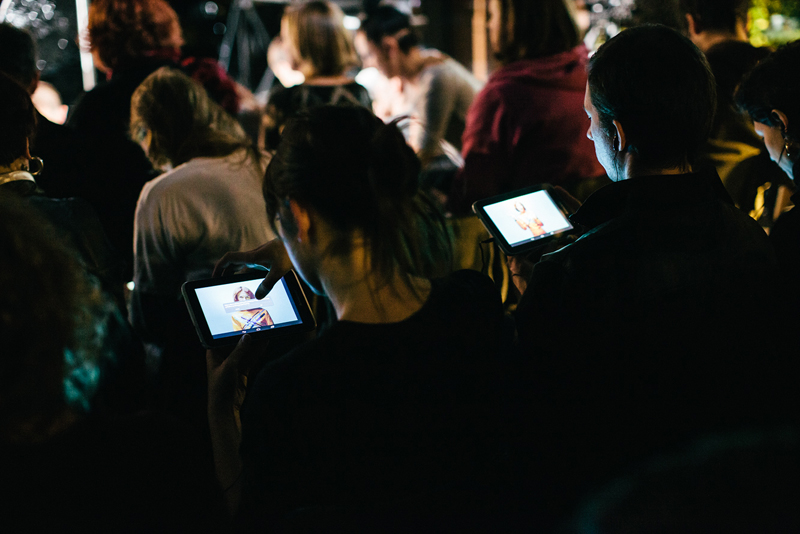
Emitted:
<point x="439" y="90"/>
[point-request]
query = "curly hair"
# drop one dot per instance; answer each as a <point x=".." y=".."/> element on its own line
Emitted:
<point x="41" y="296"/>
<point x="122" y="30"/>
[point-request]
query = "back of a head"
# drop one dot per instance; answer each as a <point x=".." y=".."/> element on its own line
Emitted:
<point x="40" y="298"/>
<point x="318" y="37"/>
<point x="361" y="177"/>
<point x="123" y="30"/>
<point x="542" y="28"/>
<point x="658" y="85"/>
<point x="388" y="21"/>
<point x="18" y="59"/>
<point x="184" y="122"/>
<point x="774" y="84"/>
<point x="17" y="120"/>
<point x="716" y="15"/>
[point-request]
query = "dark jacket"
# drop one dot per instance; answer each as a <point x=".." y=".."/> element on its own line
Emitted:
<point x="661" y="252"/>
<point x="653" y="327"/>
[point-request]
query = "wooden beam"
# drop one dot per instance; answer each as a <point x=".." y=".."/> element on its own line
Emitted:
<point x="480" y="52"/>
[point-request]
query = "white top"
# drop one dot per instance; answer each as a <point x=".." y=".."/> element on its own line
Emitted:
<point x="187" y="218"/>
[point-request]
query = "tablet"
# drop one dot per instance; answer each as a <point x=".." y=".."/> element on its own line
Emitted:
<point x="525" y="219"/>
<point x="224" y="309"/>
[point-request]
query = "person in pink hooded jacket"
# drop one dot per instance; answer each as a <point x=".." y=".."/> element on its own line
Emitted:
<point x="528" y="125"/>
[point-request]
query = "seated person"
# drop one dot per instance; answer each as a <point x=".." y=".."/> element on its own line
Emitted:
<point x="439" y="90"/>
<point x="387" y="410"/>
<point x="119" y="369"/>
<point x="209" y="201"/>
<point x="129" y="39"/>
<point x="71" y="469"/>
<point x="527" y="126"/>
<point x="719" y="29"/>
<point x="321" y="48"/>
<point x="655" y="324"/>
<point x="770" y="94"/>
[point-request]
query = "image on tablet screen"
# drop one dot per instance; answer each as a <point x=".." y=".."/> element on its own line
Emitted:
<point x="527" y="218"/>
<point x="232" y="309"/>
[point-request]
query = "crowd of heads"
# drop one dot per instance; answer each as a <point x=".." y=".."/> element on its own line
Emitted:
<point x="650" y="96"/>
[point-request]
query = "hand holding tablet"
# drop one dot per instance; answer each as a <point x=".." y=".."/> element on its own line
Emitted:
<point x="224" y="309"/>
<point x="525" y="219"/>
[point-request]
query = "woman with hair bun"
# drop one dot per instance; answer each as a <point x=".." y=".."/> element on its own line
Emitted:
<point x="381" y="406"/>
<point x="321" y="48"/>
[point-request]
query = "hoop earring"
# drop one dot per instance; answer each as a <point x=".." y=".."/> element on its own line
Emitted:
<point x="38" y="171"/>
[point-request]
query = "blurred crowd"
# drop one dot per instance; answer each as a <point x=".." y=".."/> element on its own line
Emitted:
<point x="636" y="374"/>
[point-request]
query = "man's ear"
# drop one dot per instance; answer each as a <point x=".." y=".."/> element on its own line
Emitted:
<point x="302" y="220"/>
<point x="781" y="117"/>
<point x="620" y="141"/>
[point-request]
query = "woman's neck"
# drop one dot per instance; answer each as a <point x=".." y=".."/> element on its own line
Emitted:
<point x="362" y="295"/>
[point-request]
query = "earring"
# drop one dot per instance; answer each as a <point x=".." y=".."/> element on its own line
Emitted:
<point x="38" y="171"/>
<point x="787" y="147"/>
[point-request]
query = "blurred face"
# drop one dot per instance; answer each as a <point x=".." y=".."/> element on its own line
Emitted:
<point x="603" y="147"/>
<point x="773" y="138"/>
<point x="382" y="58"/>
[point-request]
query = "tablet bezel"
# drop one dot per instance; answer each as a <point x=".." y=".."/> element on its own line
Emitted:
<point x="479" y="209"/>
<point x="296" y="293"/>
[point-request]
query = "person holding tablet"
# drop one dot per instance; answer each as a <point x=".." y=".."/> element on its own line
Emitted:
<point x="642" y="333"/>
<point x="386" y="411"/>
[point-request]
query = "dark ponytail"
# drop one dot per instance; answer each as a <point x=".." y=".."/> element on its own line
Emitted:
<point x="360" y="175"/>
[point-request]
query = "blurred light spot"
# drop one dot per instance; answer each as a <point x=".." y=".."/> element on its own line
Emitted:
<point x="130" y="285"/>
<point x="612" y="30"/>
<point x="32" y="15"/>
<point x="762" y="24"/>
<point x="41" y="64"/>
<point x="219" y="28"/>
<point x="352" y="23"/>
<point x="62" y="43"/>
<point x="597" y="8"/>
<point x="211" y="8"/>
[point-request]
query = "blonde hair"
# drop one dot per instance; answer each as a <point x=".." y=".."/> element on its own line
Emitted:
<point x="318" y="39"/>
<point x="184" y="122"/>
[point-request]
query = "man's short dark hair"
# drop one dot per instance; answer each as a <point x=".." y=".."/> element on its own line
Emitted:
<point x="659" y="86"/>
<point x="388" y="21"/>
<point x="774" y="84"/>
<point x="18" y="59"/>
<point x="716" y="15"/>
